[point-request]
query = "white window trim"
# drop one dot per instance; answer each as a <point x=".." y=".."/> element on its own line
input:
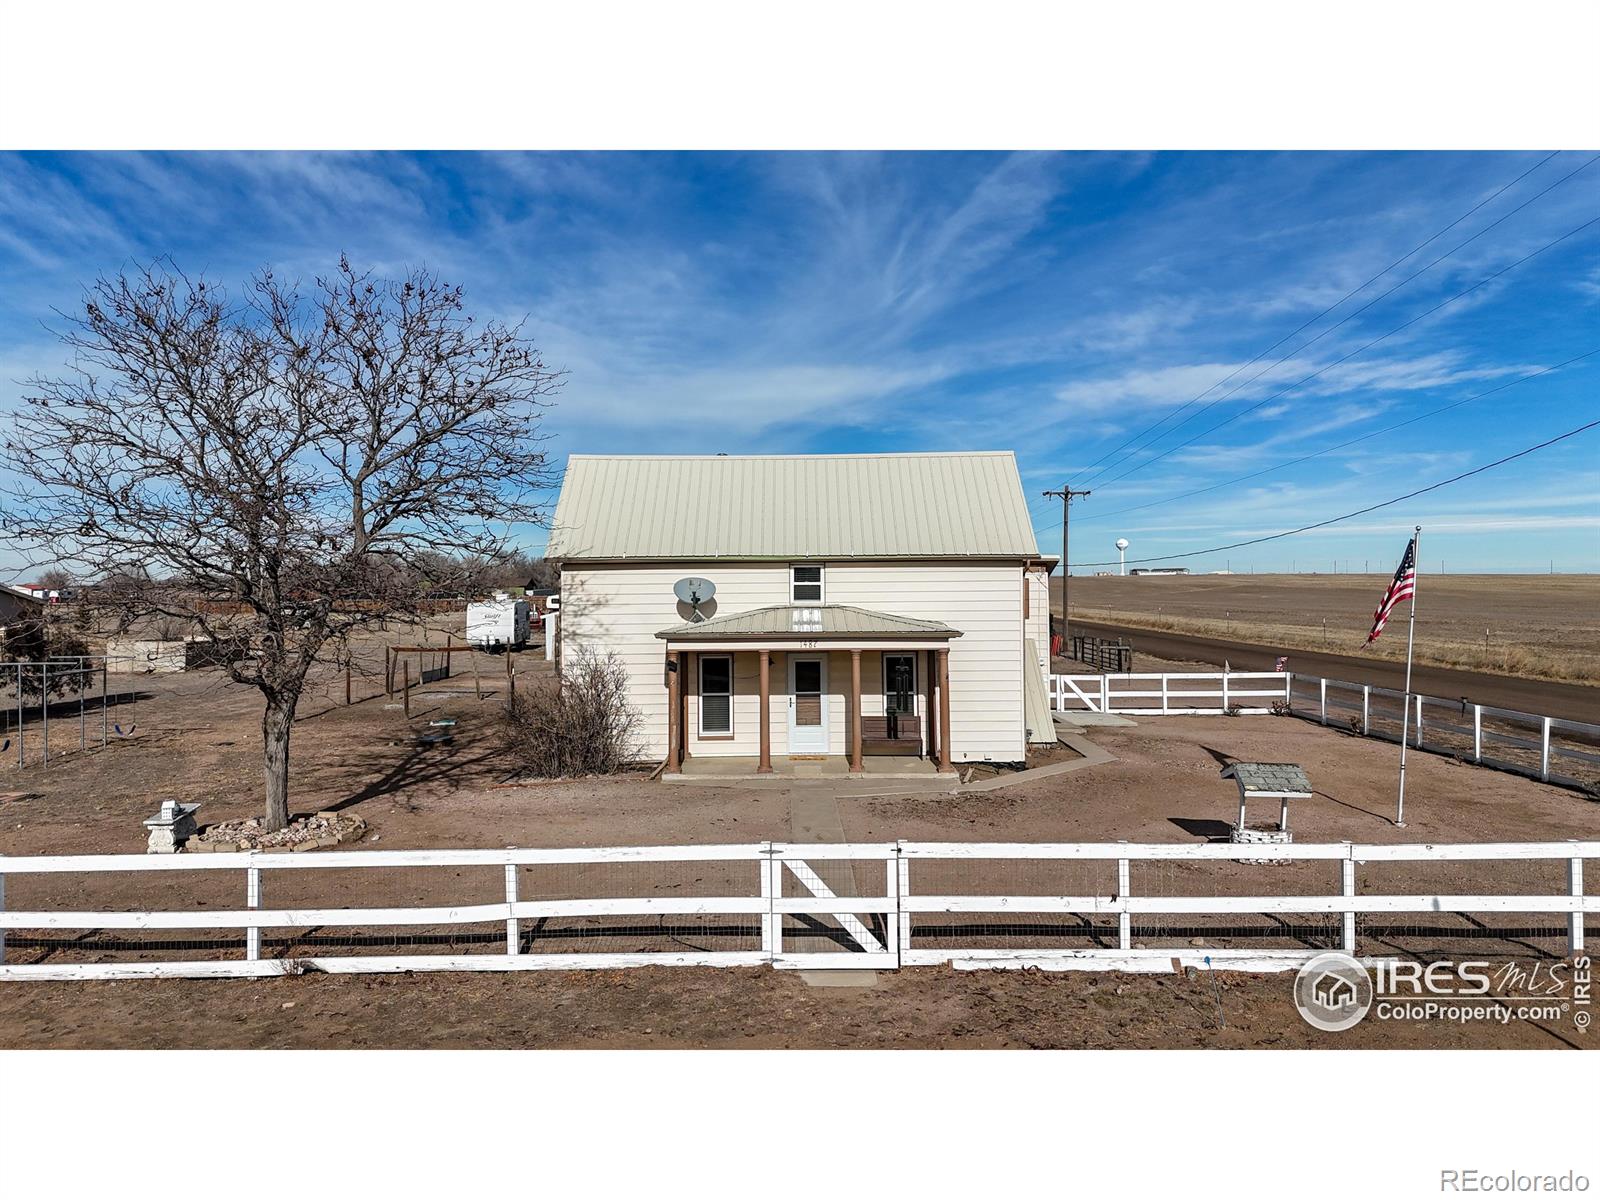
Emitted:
<point x="700" y="693"/>
<point x="822" y="583"/>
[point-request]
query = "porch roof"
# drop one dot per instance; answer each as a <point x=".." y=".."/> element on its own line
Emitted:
<point x="788" y="622"/>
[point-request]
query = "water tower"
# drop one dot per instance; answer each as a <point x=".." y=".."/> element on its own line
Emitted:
<point x="1122" y="553"/>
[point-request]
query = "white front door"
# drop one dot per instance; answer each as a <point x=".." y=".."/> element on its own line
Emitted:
<point x="808" y="705"/>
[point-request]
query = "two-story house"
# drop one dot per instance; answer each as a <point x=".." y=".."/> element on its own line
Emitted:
<point x="858" y="604"/>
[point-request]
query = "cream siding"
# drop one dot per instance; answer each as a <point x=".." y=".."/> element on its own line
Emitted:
<point x="621" y="608"/>
<point x="984" y="601"/>
<point x="1038" y="623"/>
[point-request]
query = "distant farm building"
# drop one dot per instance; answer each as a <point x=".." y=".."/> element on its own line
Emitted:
<point x="18" y="607"/>
<point x="1159" y="571"/>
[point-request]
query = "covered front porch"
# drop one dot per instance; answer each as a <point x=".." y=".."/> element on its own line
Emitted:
<point x="808" y="689"/>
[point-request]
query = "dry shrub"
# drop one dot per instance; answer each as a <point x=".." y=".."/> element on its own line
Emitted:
<point x="580" y="726"/>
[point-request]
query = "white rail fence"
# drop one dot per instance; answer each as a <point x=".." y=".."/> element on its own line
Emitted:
<point x="1171" y="694"/>
<point x="1479" y="733"/>
<point x="1526" y="743"/>
<point x="873" y="905"/>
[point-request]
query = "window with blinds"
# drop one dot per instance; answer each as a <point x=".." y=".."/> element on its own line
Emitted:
<point x="716" y="694"/>
<point x="805" y="584"/>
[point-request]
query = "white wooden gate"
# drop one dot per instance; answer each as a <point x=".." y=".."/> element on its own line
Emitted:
<point x="816" y="918"/>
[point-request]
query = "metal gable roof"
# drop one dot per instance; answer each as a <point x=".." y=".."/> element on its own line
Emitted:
<point x="792" y="506"/>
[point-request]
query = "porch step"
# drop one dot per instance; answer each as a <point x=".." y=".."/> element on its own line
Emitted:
<point x="906" y="746"/>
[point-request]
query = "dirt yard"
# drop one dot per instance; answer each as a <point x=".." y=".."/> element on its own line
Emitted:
<point x="1536" y="626"/>
<point x="196" y="738"/>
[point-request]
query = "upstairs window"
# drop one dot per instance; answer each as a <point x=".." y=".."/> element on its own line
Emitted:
<point x="805" y="585"/>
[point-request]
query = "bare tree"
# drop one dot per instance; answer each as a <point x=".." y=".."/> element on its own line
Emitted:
<point x="56" y="579"/>
<point x="280" y="469"/>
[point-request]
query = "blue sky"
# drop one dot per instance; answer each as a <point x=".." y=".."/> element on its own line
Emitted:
<point x="1055" y="304"/>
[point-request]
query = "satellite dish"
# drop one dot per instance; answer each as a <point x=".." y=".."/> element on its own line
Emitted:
<point x="694" y="592"/>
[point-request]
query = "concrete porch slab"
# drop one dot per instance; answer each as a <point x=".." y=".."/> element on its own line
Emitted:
<point x="834" y="770"/>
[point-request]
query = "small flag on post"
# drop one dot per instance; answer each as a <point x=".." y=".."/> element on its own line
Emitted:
<point x="1403" y="587"/>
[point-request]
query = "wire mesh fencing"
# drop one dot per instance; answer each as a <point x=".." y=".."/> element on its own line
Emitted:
<point x="877" y="905"/>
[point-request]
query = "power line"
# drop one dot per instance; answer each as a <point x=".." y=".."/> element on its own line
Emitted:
<point x="1432" y="487"/>
<point x="1244" y="412"/>
<point x="1294" y="462"/>
<point x="1348" y="295"/>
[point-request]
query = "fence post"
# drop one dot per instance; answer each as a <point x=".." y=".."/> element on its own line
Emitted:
<point x="771" y="942"/>
<point x="1323" y="692"/>
<point x="252" y="899"/>
<point x="1163" y="693"/>
<point x="1477" y="733"/>
<point x="1105" y="693"/>
<point x="21" y="757"/>
<point x="1124" y="918"/>
<point x="893" y="921"/>
<point x="2" y="909"/>
<point x="405" y="681"/>
<point x="102" y="704"/>
<point x="44" y="712"/>
<point x="1347" y="867"/>
<point x="903" y="869"/>
<point x="1224" y="691"/>
<point x="1544" y="751"/>
<point x="1418" y="742"/>
<point x="513" y="934"/>
<point x="1288" y="691"/>
<point x="1574" y="918"/>
<point x="1366" y="708"/>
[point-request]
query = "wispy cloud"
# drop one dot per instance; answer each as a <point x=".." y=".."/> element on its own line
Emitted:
<point x="1055" y="304"/>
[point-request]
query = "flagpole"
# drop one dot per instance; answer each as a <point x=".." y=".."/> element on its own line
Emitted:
<point x="1411" y="635"/>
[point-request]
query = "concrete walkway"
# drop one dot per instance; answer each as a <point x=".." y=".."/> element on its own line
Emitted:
<point x="814" y="817"/>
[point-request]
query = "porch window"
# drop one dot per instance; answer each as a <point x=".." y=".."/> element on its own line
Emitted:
<point x="805" y="584"/>
<point x="716" y="694"/>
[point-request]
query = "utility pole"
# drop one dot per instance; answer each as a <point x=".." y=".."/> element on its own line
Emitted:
<point x="1067" y="495"/>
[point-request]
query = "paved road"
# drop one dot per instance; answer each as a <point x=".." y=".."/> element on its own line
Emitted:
<point x="1567" y="701"/>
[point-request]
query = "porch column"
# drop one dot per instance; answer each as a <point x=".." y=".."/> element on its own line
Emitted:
<point x="855" y="710"/>
<point x="944" y="712"/>
<point x="764" y="767"/>
<point x="932" y="713"/>
<point x="674" y="725"/>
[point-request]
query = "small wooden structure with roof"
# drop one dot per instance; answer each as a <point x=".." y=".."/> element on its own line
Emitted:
<point x="1282" y="782"/>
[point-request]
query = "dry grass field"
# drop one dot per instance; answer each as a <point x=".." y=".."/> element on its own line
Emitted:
<point x="1533" y="626"/>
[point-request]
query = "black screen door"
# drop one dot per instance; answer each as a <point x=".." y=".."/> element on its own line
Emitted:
<point x="900" y="692"/>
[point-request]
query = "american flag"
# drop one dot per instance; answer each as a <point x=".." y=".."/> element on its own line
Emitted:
<point x="1403" y="587"/>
